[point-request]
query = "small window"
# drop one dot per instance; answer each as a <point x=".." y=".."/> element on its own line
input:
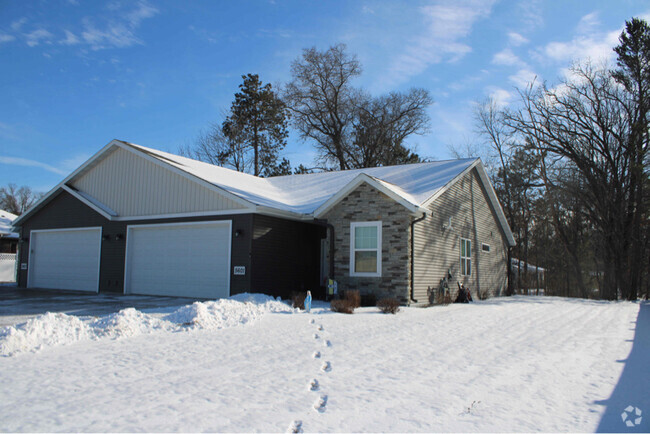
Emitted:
<point x="485" y="248"/>
<point x="465" y="257"/>
<point x="365" y="249"/>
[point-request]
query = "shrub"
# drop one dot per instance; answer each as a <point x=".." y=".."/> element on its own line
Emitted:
<point x="353" y="297"/>
<point x="388" y="305"/>
<point x="342" y="306"/>
<point x="298" y="299"/>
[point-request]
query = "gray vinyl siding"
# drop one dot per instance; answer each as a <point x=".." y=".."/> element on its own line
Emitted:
<point x="65" y="211"/>
<point x="131" y="185"/>
<point x="438" y="249"/>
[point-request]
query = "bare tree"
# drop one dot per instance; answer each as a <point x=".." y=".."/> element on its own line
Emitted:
<point x="212" y="146"/>
<point x="350" y="128"/>
<point x="583" y="123"/>
<point x="17" y="200"/>
<point x="322" y="100"/>
<point x="382" y="125"/>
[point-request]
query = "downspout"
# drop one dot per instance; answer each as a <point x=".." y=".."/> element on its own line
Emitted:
<point x="413" y="222"/>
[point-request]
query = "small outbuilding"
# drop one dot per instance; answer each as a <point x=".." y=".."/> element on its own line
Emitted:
<point x="136" y="220"/>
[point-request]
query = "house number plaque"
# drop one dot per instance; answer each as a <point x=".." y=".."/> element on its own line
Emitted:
<point x="239" y="271"/>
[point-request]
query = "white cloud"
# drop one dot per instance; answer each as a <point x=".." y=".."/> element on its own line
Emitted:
<point x="13" y="161"/>
<point x="143" y="11"/>
<point x="522" y="78"/>
<point x="598" y="48"/>
<point x="18" y="24"/>
<point x="37" y="36"/>
<point x="71" y="164"/>
<point x="6" y="38"/>
<point x="501" y="97"/>
<point x="515" y="39"/>
<point x="70" y="38"/>
<point x="506" y="57"/>
<point x="446" y="25"/>
<point x="588" y="24"/>
<point x="588" y="43"/>
<point x="119" y="31"/>
<point x="530" y="13"/>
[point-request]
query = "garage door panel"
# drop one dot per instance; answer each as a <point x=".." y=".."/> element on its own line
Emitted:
<point x="182" y="260"/>
<point x="65" y="259"/>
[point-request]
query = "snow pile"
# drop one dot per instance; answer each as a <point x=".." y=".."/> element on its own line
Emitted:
<point x="46" y="330"/>
<point x="128" y="322"/>
<point x="53" y="329"/>
<point x="230" y="312"/>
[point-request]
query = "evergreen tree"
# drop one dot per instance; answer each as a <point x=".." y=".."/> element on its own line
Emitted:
<point x="257" y="124"/>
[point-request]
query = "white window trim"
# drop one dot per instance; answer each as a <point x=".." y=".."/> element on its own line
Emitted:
<point x="353" y="226"/>
<point x="483" y="246"/>
<point x="468" y="256"/>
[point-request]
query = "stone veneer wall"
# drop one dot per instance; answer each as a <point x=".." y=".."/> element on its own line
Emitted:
<point x="363" y="204"/>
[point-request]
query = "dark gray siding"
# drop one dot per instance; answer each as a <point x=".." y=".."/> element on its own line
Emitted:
<point x="285" y="256"/>
<point x="65" y="211"/>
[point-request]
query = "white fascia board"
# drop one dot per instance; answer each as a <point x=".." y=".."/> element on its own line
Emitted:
<point x="290" y="215"/>
<point x="357" y="181"/>
<point x="50" y="194"/>
<point x="183" y="215"/>
<point x="247" y="204"/>
<point x="449" y="184"/>
<point x="89" y="203"/>
<point x="501" y="216"/>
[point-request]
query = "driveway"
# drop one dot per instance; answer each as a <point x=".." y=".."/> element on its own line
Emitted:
<point x="19" y="305"/>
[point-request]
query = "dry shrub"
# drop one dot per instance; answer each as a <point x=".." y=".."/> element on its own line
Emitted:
<point x="342" y="306"/>
<point x="298" y="299"/>
<point x="388" y="305"/>
<point x="353" y="297"/>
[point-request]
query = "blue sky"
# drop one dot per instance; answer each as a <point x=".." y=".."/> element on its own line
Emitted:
<point x="76" y="74"/>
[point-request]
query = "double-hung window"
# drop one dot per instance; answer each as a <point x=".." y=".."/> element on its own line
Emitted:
<point x="465" y="257"/>
<point x="365" y="249"/>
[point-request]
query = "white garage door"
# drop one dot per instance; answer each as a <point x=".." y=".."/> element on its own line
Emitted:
<point x="65" y="259"/>
<point x="184" y="259"/>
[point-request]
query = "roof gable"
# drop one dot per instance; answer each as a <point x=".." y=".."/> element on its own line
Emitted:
<point x="126" y="184"/>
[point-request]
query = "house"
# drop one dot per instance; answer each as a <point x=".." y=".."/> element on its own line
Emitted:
<point x="8" y="239"/>
<point x="136" y="220"/>
<point x="527" y="278"/>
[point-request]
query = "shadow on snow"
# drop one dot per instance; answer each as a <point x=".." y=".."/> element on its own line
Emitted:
<point x="633" y="387"/>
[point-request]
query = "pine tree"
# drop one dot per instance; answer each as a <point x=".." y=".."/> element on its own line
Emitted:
<point x="257" y="123"/>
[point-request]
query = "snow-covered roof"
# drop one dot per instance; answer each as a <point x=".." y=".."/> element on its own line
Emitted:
<point x="6" y="219"/>
<point x="305" y="196"/>
<point x="528" y="266"/>
<point x="306" y="193"/>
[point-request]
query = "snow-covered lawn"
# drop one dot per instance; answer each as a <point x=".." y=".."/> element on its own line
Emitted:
<point x="254" y="364"/>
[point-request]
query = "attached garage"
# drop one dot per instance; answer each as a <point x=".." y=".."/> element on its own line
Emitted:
<point x="65" y="259"/>
<point x="179" y="259"/>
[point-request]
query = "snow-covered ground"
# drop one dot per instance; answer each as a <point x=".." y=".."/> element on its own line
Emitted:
<point x="254" y="364"/>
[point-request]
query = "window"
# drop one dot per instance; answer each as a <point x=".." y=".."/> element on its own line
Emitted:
<point x="365" y="249"/>
<point x="485" y="247"/>
<point x="465" y="257"/>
